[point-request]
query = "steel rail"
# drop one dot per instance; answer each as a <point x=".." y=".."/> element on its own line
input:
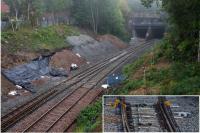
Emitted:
<point x="31" y="108"/>
<point x="166" y="113"/>
<point x="66" y="98"/>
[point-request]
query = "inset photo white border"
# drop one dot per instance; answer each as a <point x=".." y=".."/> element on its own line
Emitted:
<point x="146" y="96"/>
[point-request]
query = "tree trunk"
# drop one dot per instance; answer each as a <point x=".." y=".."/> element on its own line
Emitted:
<point x="12" y="26"/>
<point x="37" y="21"/>
<point x="28" y="10"/>
<point x="54" y="21"/>
<point x="16" y="19"/>
<point x="97" y="18"/>
<point x="199" y="48"/>
<point x="93" y="19"/>
<point x="16" y="13"/>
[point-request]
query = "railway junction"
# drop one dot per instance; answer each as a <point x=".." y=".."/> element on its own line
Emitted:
<point x="56" y="110"/>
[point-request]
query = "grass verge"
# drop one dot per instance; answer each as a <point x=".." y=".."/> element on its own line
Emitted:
<point x="90" y="118"/>
<point x="178" y="78"/>
<point x="33" y="40"/>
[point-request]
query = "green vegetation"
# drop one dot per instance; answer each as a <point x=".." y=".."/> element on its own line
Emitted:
<point x="133" y="67"/>
<point x="183" y="28"/>
<point x="90" y="117"/>
<point x="102" y="16"/>
<point x="28" y="39"/>
<point x="179" y="49"/>
<point x="32" y="11"/>
<point x="179" y="78"/>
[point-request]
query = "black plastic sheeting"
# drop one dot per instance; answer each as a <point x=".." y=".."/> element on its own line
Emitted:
<point x="23" y="75"/>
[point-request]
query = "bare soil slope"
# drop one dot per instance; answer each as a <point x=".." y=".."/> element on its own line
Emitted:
<point x="113" y="39"/>
<point x="64" y="59"/>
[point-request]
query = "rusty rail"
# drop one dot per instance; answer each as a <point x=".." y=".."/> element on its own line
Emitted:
<point x="167" y="116"/>
<point x="25" y="109"/>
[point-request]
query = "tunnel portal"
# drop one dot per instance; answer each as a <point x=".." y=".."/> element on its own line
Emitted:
<point x="147" y="25"/>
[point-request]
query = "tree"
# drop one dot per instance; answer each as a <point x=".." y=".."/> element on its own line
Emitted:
<point x="57" y="6"/>
<point x="184" y="18"/>
<point x="102" y="16"/>
<point x="94" y="15"/>
<point x="199" y="48"/>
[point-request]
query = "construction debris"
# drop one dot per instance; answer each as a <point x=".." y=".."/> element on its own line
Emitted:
<point x="13" y="93"/>
<point x="73" y="66"/>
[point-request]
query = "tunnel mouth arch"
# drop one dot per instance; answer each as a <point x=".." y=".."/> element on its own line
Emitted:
<point x="155" y="33"/>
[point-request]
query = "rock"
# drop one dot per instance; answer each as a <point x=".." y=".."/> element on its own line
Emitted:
<point x="13" y="93"/>
<point x="58" y="72"/>
<point x="18" y="86"/>
<point x="78" y="55"/>
<point x="92" y="50"/>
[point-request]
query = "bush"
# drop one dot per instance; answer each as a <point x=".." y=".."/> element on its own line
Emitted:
<point x="26" y="39"/>
<point x="131" y="68"/>
<point x="182" y="77"/>
<point x="185" y="79"/>
<point x="187" y="86"/>
<point x="87" y="120"/>
<point x="129" y="85"/>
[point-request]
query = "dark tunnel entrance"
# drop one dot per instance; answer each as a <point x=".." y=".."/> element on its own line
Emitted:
<point x="141" y="33"/>
<point x="154" y="32"/>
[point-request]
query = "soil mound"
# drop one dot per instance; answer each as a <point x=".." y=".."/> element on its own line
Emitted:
<point x="6" y="85"/>
<point x="65" y="58"/>
<point x="19" y="58"/>
<point x="113" y="39"/>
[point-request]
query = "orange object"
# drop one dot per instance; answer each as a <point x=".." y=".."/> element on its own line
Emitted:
<point x="167" y="103"/>
<point x="117" y="101"/>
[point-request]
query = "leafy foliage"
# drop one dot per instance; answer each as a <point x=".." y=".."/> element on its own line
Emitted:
<point x="131" y="68"/>
<point x="87" y="120"/>
<point x="179" y="78"/>
<point x="185" y="79"/>
<point x="129" y="85"/>
<point x="184" y="18"/>
<point x="50" y="38"/>
<point x="108" y="17"/>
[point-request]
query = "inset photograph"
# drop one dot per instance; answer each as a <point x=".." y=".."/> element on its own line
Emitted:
<point x="151" y="114"/>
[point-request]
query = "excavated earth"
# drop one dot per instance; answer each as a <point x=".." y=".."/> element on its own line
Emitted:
<point x="33" y="71"/>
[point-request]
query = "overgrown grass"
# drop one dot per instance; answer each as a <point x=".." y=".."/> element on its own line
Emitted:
<point x="90" y="117"/>
<point x="27" y="39"/>
<point x="180" y="78"/>
<point x="129" y="85"/>
<point x="131" y="68"/>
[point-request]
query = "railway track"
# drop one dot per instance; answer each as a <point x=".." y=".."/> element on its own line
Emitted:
<point x="167" y="116"/>
<point x="148" y="118"/>
<point x="23" y="110"/>
<point x="80" y="91"/>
